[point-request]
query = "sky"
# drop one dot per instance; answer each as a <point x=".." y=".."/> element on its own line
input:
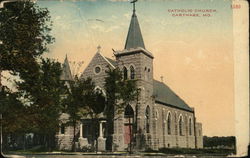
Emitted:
<point x="194" y="54"/>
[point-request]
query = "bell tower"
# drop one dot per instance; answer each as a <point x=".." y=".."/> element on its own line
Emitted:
<point x="135" y="55"/>
<point x="136" y="62"/>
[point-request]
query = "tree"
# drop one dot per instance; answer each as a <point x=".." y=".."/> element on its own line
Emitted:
<point x="94" y="108"/>
<point x="119" y="93"/>
<point x="24" y="32"/>
<point x="13" y="112"/>
<point x="41" y="94"/>
<point x="73" y="102"/>
<point x="83" y="100"/>
<point x="24" y="35"/>
<point x="213" y="142"/>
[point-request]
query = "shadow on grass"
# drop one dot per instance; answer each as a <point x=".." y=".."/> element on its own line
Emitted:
<point x="185" y="151"/>
<point x="148" y="152"/>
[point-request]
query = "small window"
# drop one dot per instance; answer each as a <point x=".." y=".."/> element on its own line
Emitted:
<point x="85" y="131"/>
<point x="156" y="114"/>
<point x="169" y="123"/>
<point x="190" y="127"/>
<point x="132" y="72"/>
<point x="175" y="120"/>
<point x="62" y="129"/>
<point x="180" y="126"/>
<point x="147" y="114"/>
<point x="97" y="69"/>
<point x="148" y="70"/>
<point x="125" y="73"/>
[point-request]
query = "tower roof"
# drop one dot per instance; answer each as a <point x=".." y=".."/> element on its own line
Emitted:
<point x="134" y="37"/>
<point x="66" y="72"/>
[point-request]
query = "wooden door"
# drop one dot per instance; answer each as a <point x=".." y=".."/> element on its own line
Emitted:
<point x="127" y="134"/>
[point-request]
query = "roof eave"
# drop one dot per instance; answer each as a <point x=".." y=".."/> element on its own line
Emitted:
<point x="132" y="51"/>
<point x="189" y="110"/>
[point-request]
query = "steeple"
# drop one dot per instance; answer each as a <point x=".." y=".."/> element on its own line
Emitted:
<point x="66" y="72"/>
<point x="134" y="37"/>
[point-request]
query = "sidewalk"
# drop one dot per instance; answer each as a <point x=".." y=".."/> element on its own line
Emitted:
<point x="59" y="154"/>
<point x="90" y="154"/>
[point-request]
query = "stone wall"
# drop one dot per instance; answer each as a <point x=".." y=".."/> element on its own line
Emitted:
<point x="118" y="136"/>
<point x="143" y="66"/>
<point x="199" y="135"/>
<point x="173" y="138"/>
<point x="65" y="140"/>
<point x="158" y="136"/>
<point x="99" y="78"/>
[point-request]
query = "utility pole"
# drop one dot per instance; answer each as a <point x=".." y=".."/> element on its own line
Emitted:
<point x="1" y="137"/>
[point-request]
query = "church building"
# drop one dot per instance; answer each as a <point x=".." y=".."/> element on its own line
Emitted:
<point x="163" y="119"/>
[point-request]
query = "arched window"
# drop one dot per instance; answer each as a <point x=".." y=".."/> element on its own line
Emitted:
<point x="147" y="114"/>
<point x="190" y="126"/>
<point x="129" y="112"/>
<point x="125" y="73"/>
<point x="156" y="114"/>
<point x="132" y="72"/>
<point x="175" y="124"/>
<point x="169" y="123"/>
<point x="100" y="91"/>
<point x="180" y="126"/>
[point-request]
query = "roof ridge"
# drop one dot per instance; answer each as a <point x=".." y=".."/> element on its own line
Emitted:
<point x="106" y="59"/>
<point x="109" y="58"/>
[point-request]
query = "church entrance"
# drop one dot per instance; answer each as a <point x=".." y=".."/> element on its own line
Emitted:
<point x="128" y="124"/>
<point x="128" y="134"/>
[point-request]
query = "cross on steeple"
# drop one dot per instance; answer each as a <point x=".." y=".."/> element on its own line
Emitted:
<point x="162" y="79"/>
<point x="133" y="4"/>
<point x="99" y="49"/>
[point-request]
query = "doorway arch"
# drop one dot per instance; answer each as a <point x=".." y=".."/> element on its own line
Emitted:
<point x="128" y="124"/>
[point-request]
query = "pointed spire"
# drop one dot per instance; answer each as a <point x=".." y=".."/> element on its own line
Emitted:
<point x="134" y="37"/>
<point x="66" y="72"/>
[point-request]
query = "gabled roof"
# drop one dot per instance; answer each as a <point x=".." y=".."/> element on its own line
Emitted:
<point x="134" y="37"/>
<point x="164" y="95"/>
<point x="111" y="61"/>
<point x="66" y="72"/>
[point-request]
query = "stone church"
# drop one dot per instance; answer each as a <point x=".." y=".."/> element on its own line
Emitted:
<point x="163" y="119"/>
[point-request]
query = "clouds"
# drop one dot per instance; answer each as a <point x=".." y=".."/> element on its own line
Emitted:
<point x="118" y="0"/>
<point x="127" y="15"/>
<point x="187" y="60"/>
<point x="201" y="54"/>
<point x="76" y="0"/>
<point x="103" y="28"/>
<point x="139" y="0"/>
